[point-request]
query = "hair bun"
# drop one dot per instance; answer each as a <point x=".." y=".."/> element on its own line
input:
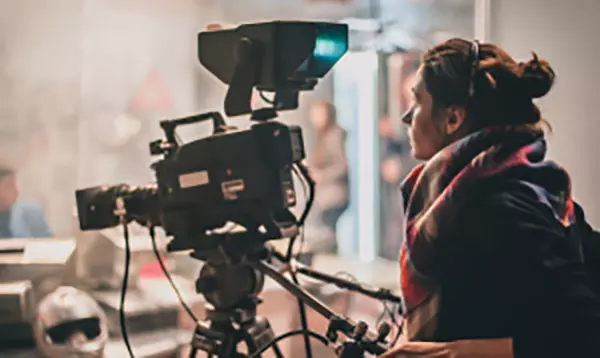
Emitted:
<point x="538" y="77"/>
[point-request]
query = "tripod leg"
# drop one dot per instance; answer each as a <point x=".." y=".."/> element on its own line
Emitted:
<point x="229" y="346"/>
<point x="193" y="353"/>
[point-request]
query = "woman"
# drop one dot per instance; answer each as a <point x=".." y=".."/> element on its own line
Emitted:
<point x="488" y="265"/>
<point x="329" y="168"/>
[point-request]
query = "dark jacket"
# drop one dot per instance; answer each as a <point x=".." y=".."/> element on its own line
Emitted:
<point x="515" y="271"/>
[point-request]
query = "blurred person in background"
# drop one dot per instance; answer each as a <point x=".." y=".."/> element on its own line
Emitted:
<point x="391" y="150"/>
<point x="18" y="218"/>
<point x="492" y="263"/>
<point x="329" y="169"/>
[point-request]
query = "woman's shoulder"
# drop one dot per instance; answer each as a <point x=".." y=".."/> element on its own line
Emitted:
<point x="520" y="200"/>
<point x="516" y="214"/>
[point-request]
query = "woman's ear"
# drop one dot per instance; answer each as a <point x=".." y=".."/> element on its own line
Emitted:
<point x="455" y="119"/>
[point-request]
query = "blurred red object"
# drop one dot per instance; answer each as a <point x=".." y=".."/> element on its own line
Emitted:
<point x="153" y="95"/>
<point x="153" y="270"/>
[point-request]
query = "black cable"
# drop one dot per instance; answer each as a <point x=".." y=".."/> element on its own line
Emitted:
<point x="311" y="194"/>
<point x="168" y="276"/>
<point x="384" y="312"/>
<point x="301" y="306"/>
<point x="151" y="229"/>
<point x="392" y="313"/>
<point x="293" y="239"/>
<point x="303" y="319"/>
<point x="387" y="312"/>
<point x="304" y="184"/>
<point x="124" y="285"/>
<point x="321" y="338"/>
<point x="264" y="98"/>
<point x="397" y="324"/>
<point x="311" y="197"/>
<point x="398" y="333"/>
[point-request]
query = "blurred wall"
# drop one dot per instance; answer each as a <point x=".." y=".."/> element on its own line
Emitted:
<point x="566" y="34"/>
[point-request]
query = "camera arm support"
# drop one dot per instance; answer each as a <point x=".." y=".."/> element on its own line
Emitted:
<point x="378" y="294"/>
<point x="362" y="340"/>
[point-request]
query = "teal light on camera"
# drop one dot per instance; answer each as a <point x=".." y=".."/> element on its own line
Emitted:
<point x="329" y="48"/>
<point x="331" y="44"/>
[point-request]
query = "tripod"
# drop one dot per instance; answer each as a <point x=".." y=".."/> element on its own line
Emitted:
<point x="231" y="280"/>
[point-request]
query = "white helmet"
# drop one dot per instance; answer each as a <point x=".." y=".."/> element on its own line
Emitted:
<point x="70" y="323"/>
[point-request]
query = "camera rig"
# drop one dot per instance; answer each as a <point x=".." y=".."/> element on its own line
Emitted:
<point x="242" y="177"/>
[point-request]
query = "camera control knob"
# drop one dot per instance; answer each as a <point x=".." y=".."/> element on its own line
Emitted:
<point x="156" y="147"/>
<point x="360" y="330"/>
<point x="383" y="330"/>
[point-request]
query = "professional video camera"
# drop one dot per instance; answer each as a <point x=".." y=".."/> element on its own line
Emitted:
<point x="239" y="176"/>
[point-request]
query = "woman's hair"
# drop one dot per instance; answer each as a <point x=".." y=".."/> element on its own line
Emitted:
<point x="489" y="83"/>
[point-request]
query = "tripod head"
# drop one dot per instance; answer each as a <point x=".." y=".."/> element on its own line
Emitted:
<point x="226" y="279"/>
<point x="231" y="288"/>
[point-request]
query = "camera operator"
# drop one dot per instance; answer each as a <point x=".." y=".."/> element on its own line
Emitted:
<point x="489" y="267"/>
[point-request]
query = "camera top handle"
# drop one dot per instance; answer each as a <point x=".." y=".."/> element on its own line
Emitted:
<point x="170" y="143"/>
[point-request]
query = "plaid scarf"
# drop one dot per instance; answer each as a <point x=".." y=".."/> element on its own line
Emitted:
<point x="437" y="192"/>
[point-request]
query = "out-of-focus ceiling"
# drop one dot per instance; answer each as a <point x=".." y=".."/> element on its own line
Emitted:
<point x="422" y="18"/>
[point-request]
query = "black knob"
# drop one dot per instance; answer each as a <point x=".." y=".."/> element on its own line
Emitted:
<point x="156" y="147"/>
<point x="360" y="330"/>
<point x="383" y="330"/>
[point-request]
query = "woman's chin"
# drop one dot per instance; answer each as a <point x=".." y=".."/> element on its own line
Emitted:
<point x="415" y="153"/>
<point x="419" y="155"/>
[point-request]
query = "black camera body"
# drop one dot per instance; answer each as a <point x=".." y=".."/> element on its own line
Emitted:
<point x="239" y="176"/>
<point x="234" y="175"/>
<point x="242" y="176"/>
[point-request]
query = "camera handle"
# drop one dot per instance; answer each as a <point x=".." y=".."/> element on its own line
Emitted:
<point x="170" y="143"/>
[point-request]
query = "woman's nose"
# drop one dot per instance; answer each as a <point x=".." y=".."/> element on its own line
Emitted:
<point x="407" y="116"/>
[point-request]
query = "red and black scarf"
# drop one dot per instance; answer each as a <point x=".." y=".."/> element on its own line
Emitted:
<point x="436" y="192"/>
